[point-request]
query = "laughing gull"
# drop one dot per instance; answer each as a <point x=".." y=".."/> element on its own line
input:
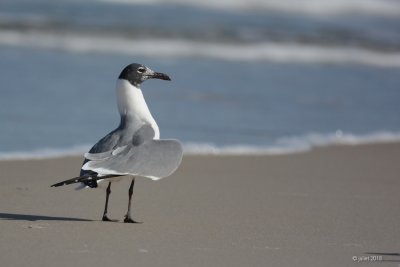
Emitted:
<point x="134" y="148"/>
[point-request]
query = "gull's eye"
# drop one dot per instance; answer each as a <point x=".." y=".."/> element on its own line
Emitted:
<point x="141" y="70"/>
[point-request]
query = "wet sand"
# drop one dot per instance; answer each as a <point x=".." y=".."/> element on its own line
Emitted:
<point x="319" y="208"/>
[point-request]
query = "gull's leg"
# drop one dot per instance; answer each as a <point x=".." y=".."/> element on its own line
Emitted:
<point x="128" y="218"/>
<point x="108" y="192"/>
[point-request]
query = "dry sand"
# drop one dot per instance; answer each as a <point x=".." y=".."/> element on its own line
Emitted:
<point x="318" y="208"/>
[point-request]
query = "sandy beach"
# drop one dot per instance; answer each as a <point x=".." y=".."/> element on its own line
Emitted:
<point x="327" y="207"/>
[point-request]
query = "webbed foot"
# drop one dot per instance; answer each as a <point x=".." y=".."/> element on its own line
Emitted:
<point x="106" y="219"/>
<point x="128" y="219"/>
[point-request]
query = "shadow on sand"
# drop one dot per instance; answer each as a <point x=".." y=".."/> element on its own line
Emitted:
<point x="30" y="217"/>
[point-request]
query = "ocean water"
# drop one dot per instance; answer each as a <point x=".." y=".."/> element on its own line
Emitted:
<point x="260" y="78"/>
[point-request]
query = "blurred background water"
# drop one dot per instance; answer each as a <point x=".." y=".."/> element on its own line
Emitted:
<point x="257" y="76"/>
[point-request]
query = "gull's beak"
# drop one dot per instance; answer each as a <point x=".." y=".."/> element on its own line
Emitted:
<point x="157" y="75"/>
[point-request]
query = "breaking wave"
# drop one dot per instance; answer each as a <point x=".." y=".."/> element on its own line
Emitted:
<point x="284" y="145"/>
<point x="176" y="48"/>
<point x="290" y="145"/>
<point x="45" y="153"/>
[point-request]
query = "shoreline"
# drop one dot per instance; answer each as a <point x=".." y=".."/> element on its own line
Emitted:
<point x="207" y="150"/>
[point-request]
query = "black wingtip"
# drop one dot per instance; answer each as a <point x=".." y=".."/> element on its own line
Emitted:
<point x="88" y="179"/>
<point x="75" y="180"/>
<point x="67" y="182"/>
<point x="57" y="184"/>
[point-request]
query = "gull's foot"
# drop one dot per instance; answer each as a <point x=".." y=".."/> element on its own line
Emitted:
<point x="106" y="219"/>
<point x="130" y="220"/>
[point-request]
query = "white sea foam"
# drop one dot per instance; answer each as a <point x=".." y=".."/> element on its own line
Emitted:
<point x="44" y="153"/>
<point x="309" y="7"/>
<point x="283" y="145"/>
<point x="290" y="145"/>
<point x="176" y="48"/>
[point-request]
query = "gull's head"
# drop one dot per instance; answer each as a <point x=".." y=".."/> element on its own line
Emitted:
<point x="137" y="73"/>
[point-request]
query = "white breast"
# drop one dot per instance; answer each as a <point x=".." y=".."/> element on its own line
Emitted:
<point x="131" y="103"/>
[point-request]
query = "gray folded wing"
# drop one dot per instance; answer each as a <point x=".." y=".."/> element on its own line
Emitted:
<point x="142" y="156"/>
<point x="133" y="151"/>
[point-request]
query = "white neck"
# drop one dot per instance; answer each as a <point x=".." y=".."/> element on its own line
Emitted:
<point x="131" y="104"/>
